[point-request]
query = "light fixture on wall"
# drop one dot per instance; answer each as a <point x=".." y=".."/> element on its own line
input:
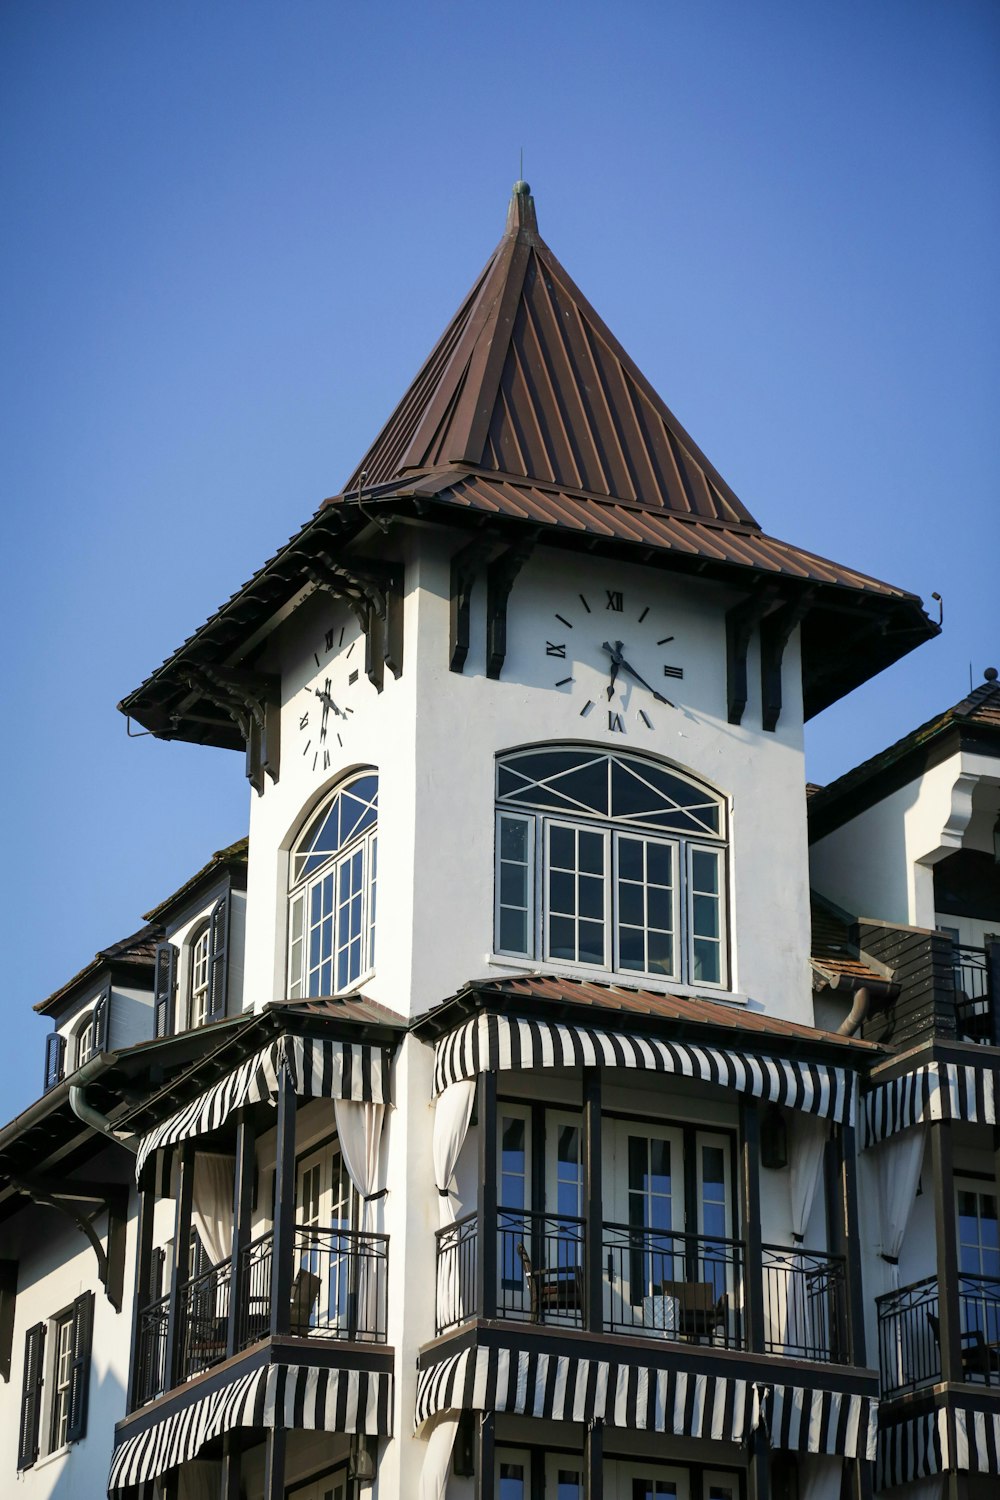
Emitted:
<point x="773" y="1139"/>
<point x="361" y="1464"/>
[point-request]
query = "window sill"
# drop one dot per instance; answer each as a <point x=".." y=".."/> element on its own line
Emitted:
<point x="609" y="976"/>
<point x="50" y="1458"/>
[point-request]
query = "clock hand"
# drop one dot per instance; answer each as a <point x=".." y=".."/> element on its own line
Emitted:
<point x="643" y="683"/>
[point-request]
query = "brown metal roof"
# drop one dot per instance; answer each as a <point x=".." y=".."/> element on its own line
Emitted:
<point x="686" y="1011"/>
<point x="527" y="379"/>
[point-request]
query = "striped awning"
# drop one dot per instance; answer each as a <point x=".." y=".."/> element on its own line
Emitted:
<point x="960" y="1439"/>
<point x="490" y="1042"/>
<point x="937" y="1091"/>
<point x="293" y="1396"/>
<point x="635" y="1397"/>
<point x="320" y="1068"/>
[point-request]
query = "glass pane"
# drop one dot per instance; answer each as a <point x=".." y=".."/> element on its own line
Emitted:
<point x="661" y="953"/>
<point x="562" y="893"/>
<point x="562" y="848"/>
<point x="592" y="942"/>
<point x="513" y="931"/>
<point x="513" y="839"/>
<point x="705" y="870"/>
<point x="660" y="863"/>
<point x="706" y="961"/>
<point x="562" y="938"/>
<point x="591" y="897"/>
<point x="630" y="861"/>
<point x="631" y="950"/>
<point x="631" y="905"/>
<point x="591" y="853"/>
<point x="705" y="916"/>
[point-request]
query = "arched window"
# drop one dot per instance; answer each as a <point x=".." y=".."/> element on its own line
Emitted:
<point x="200" y="984"/>
<point x="85" y="1040"/>
<point x="331" y="928"/>
<point x="613" y="861"/>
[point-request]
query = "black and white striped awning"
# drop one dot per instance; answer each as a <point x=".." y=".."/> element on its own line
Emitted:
<point x="293" y="1396"/>
<point x="937" y="1091"/>
<point x="635" y="1397"/>
<point x="490" y="1042"/>
<point x="960" y="1439"/>
<point x="320" y="1068"/>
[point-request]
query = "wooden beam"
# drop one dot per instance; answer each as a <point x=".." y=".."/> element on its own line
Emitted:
<point x="465" y="567"/>
<point x="484" y="1487"/>
<point x="143" y="1263"/>
<point x="775" y="631"/>
<point x="500" y="577"/>
<point x="243" y="1180"/>
<point x="593" y="1461"/>
<point x="181" y="1266"/>
<point x="283" y="1234"/>
<point x="740" y="622"/>
<point x="946" y="1231"/>
<point x="486" y="1226"/>
<point x="274" y="1463"/>
<point x="593" y="1229"/>
<point x="753" y="1279"/>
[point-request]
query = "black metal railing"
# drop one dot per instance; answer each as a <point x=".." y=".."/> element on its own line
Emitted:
<point x="339" y="1286"/>
<point x="456" y="1260"/>
<point x="203" y="1313"/>
<point x="974" y="999"/>
<point x="540" y="1267"/>
<point x="253" y="1318"/>
<point x="151" y="1351"/>
<point x="909" y="1329"/>
<point x="665" y="1284"/>
<point x="805" y="1304"/>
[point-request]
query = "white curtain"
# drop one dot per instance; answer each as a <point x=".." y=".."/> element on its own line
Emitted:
<point x="819" y="1477"/>
<point x="212" y="1204"/>
<point x="898" y="1160"/>
<point x="808" y="1141"/>
<point x="359" y="1128"/>
<point x="437" y="1458"/>
<point x="452" y="1113"/>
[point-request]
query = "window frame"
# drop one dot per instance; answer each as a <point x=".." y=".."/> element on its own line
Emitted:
<point x="686" y="940"/>
<point x="87" y="1024"/>
<point x="200" y="995"/>
<point x="61" y="1337"/>
<point x="360" y="845"/>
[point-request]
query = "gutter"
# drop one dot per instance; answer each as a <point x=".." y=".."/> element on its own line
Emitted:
<point x="86" y="1113"/>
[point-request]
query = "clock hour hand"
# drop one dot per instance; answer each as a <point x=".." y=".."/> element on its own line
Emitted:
<point x="619" y="661"/>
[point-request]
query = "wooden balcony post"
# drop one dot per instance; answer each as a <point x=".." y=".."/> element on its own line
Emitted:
<point x="593" y="1230"/>
<point x="274" y="1463"/>
<point x="847" y="1172"/>
<point x="947" y="1249"/>
<point x="752" y="1269"/>
<point x="993" y="990"/>
<point x="283" y="1235"/>
<point x="143" y="1264"/>
<point x="242" y="1211"/>
<point x="859" y="1478"/>
<point x="232" y="1466"/>
<point x="593" y="1461"/>
<point x="487" y="1228"/>
<point x="485" y="1448"/>
<point x="759" y="1468"/>
<point x="181" y="1267"/>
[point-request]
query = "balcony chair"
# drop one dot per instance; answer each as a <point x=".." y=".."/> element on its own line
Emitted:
<point x="700" y="1314"/>
<point x="306" y="1288"/>
<point x="978" y="1357"/>
<point x="552" y="1288"/>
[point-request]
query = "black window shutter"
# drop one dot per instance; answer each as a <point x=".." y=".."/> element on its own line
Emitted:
<point x="8" y="1304"/>
<point x="164" y="985"/>
<point x="157" y="1265"/>
<point x="218" y="958"/>
<point x="102" y="1022"/>
<point x="79" y="1380"/>
<point x="31" y="1396"/>
<point x="55" y="1058"/>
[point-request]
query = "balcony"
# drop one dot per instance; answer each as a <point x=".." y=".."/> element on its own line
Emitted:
<point x="656" y="1284"/>
<point x="909" y="1323"/>
<point x="975" y="1014"/>
<point x="338" y="1291"/>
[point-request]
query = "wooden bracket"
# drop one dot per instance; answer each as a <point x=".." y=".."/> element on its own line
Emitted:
<point x="67" y="1199"/>
<point x="374" y="592"/>
<point x="500" y="576"/>
<point x="775" y="630"/>
<point x="465" y="566"/>
<point x="740" y="622"/>
<point x="252" y="701"/>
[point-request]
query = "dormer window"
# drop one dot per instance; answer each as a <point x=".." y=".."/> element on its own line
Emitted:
<point x="85" y="1041"/>
<point x="610" y="861"/>
<point x="331" y="932"/>
<point x="201" y="949"/>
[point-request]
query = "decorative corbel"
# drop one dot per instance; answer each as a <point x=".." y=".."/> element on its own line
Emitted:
<point x="775" y="630"/>
<point x="500" y="576"/>
<point x="465" y="567"/>
<point x="252" y="702"/>
<point x="374" y="592"/>
<point x="740" y="623"/>
<point x="69" y="1200"/>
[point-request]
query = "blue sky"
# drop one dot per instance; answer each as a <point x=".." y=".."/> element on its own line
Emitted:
<point x="233" y="230"/>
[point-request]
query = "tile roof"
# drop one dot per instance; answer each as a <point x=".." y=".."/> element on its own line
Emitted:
<point x="689" y="1012"/>
<point x="979" y="709"/>
<point x="234" y="856"/>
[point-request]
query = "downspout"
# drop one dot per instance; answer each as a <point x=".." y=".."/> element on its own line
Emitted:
<point x="86" y="1112"/>
<point x="858" y="1012"/>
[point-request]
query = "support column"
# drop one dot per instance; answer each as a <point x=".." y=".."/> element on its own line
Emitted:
<point x="485" y="1460"/>
<point x="847" y="1195"/>
<point x="537" y="1481"/>
<point x="593" y="1230"/>
<point x="759" y="1468"/>
<point x="274" y="1464"/>
<point x="486" y="1218"/>
<point x="181" y="1266"/>
<point x="143" y="1265"/>
<point x="593" y="1461"/>
<point x="859" y="1479"/>
<point x="232" y="1466"/>
<point x="753" y="1276"/>
<point x="946" y="1232"/>
<point x="242" y="1211"/>
<point x="283" y="1238"/>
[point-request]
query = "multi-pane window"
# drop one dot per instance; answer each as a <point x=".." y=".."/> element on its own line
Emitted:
<point x="331" y="934"/>
<point x="200" y="953"/>
<point x="85" y="1040"/>
<point x="62" y="1373"/>
<point x="611" y="861"/>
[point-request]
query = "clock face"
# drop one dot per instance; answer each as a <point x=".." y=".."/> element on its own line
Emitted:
<point x="326" y="705"/>
<point x="613" y="652"/>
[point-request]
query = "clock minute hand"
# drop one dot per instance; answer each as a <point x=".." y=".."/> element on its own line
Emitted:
<point x="627" y="667"/>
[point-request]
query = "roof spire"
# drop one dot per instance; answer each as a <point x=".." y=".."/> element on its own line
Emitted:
<point x="521" y="213"/>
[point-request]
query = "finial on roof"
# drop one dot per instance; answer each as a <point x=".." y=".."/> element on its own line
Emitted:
<point x="521" y="213"/>
<point x="990" y="674"/>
